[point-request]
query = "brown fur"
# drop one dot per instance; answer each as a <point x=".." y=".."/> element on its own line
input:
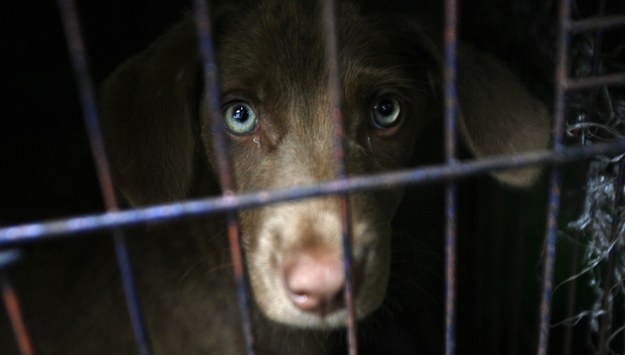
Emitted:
<point x="270" y="54"/>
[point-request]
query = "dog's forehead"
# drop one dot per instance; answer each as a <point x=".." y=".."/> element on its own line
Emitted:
<point x="271" y="48"/>
<point x="276" y="48"/>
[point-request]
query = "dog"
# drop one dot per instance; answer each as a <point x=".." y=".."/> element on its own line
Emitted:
<point x="277" y="117"/>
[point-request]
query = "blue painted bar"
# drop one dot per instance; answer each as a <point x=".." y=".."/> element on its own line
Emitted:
<point x="130" y="292"/>
<point x="451" y="123"/>
<point x="90" y="112"/>
<point x="553" y="208"/>
<point x="32" y="232"/>
<point x="334" y="88"/>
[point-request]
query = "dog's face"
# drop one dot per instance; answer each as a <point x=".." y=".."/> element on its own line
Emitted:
<point x="278" y="117"/>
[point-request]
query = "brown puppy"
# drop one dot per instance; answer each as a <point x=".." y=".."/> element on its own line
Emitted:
<point x="277" y="117"/>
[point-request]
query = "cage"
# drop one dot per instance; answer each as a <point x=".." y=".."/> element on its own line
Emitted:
<point x="552" y="285"/>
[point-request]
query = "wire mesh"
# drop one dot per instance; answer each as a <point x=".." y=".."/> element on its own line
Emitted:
<point x="564" y="84"/>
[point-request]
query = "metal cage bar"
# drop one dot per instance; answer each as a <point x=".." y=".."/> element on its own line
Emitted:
<point x="563" y="84"/>
<point x="606" y="322"/>
<point x="83" y="78"/>
<point x="451" y="193"/>
<point x="334" y="88"/>
<point x="25" y="233"/>
<point x="583" y="83"/>
<point x="601" y="22"/>
<point x="226" y="180"/>
<point x="12" y="304"/>
<point x="555" y="181"/>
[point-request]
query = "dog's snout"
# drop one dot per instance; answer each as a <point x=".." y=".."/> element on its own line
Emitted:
<point x="304" y="281"/>
<point x="315" y="281"/>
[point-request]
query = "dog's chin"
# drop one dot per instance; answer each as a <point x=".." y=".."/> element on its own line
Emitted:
<point x="299" y="319"/>
<point x="294" y="317"/>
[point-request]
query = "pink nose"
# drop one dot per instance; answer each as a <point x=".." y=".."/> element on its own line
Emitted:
<point x="315" y="281"/>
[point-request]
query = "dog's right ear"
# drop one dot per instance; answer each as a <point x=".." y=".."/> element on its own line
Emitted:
<point x="497" y="114"/>
<point x="149" y="105"/>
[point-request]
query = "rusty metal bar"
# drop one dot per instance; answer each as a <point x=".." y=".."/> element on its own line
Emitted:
<point x="78" y="56"/>
<point x="226" y="180"/>
<point x="551" y="231"/>
<point x="12" y="304"/>
<point x="595" y="23"/>
<point x="46" y="230"/>
<point x="451" y="121"/>
<point x="330" y="35"/>
<point x="13" y="308"/>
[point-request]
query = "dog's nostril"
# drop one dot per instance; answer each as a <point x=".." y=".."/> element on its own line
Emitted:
<point x="315" y="282"/>
<point x="318" y="303"/>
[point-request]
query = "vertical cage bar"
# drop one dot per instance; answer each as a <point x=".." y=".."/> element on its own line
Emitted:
<point x="608" y="278"/>
<point x="80" y="65"/>
<point x="451" y="102"/>
<point x="220" y="145"/>
<point x="334" y="87"/>
<point x="14" y="311"/>
<point x="572" y="296"/>
<point x="553" y="208"/>
<point x="607" y="306"/>
<point x="515" y="299"/>
<point x="12" y="304"/>
<point x="567" y="339"/>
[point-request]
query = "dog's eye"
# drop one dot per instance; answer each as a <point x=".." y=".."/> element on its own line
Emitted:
<point x="385" y="113"/>
<point x="240" y="119"/>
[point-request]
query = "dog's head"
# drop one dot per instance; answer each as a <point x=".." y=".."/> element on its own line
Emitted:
<point x="277" y="115"/>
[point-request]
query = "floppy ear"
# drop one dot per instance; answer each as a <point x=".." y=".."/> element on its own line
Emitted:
<point x="149" y="108"/>
<point x="497" y="114"/>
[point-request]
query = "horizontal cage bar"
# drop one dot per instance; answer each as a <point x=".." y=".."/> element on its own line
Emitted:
<point x="36" y="231"/>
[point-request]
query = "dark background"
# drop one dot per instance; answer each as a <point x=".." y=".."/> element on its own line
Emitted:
<point x="46" y="169"/>
<point x="46" y="165"/>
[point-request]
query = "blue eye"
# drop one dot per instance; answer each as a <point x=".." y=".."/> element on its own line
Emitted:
<point x="385" y="113"/>
<point x="240" y="119"/>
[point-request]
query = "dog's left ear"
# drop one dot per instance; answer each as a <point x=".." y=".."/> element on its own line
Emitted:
<point x="497" y="113"/>
<point x="149" y="109"/>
